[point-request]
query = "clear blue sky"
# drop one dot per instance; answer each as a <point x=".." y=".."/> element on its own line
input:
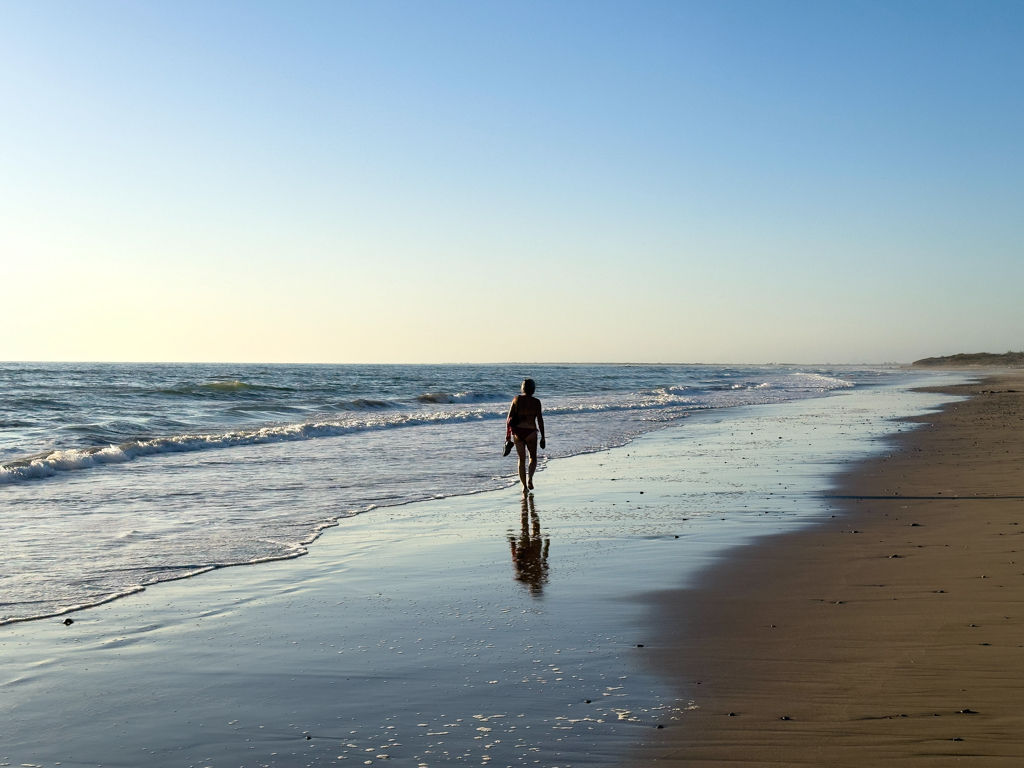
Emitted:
<point x="487" y="181"/>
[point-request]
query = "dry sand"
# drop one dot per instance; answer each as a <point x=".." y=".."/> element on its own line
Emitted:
<point x="892" y="634"/>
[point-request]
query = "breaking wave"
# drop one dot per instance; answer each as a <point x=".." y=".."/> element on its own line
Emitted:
<point x="448" y="398"/>
<point x="664" y="403"/>
<point x="362" y="404"/>
<point x="50" y="463"/>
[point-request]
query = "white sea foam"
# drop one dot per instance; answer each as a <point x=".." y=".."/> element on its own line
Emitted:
<point x="356" y="438"/>
<point x="381" y="415"/>
<point x="165" y="576"/>
<point x="107" y="598"/>
<point x="816" y="381"/>
<point x="49" y="464"/>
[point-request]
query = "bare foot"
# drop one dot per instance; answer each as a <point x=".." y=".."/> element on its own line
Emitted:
<point x="530" y="484"/>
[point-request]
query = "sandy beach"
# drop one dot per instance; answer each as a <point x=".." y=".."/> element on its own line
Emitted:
<point x="891" y="634"/>
<point x="419" y="634"/>
<point x="282" y="281"/>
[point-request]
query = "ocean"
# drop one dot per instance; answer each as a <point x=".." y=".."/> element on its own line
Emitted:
<point x="114" y="477"/>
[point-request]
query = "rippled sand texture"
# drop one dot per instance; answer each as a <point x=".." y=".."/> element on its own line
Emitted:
<point x="892" y="634"/>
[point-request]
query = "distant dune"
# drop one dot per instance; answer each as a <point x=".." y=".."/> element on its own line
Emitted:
<point x="1008" y="359"/>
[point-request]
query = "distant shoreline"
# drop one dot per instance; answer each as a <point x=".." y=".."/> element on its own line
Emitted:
<point x="973" y="360"/>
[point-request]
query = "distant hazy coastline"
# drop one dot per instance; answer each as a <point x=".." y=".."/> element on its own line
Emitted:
<point x="973" y="359"/>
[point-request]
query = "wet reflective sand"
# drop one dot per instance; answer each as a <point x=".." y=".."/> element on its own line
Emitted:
<point x="471" y="630"/>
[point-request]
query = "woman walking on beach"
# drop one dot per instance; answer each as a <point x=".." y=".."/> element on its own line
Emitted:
<point x="524" y="421"/>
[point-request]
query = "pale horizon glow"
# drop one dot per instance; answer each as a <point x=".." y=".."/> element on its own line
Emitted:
<point x="407" y="182"/>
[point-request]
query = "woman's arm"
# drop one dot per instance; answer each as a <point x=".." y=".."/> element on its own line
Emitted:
<point x="540" y="423"/>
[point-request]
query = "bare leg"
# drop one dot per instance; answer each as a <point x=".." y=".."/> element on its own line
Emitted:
<point x="531" y="443"/>
<point x="521" y="451"/>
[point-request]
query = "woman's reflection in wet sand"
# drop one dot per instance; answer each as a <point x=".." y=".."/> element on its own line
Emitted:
<point x="530" y="550"/>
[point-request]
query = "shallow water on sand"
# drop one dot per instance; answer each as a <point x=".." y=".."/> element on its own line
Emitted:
<point x="113" y="477"/>
<point x="416" y="635"/>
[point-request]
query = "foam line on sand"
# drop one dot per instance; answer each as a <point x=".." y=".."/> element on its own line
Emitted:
<point x="483" y="629"/>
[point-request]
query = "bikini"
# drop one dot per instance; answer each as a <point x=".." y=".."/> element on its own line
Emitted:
<point x="525" y="433"/>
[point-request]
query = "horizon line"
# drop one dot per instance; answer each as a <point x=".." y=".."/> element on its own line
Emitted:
<point x="463" y="363"/>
